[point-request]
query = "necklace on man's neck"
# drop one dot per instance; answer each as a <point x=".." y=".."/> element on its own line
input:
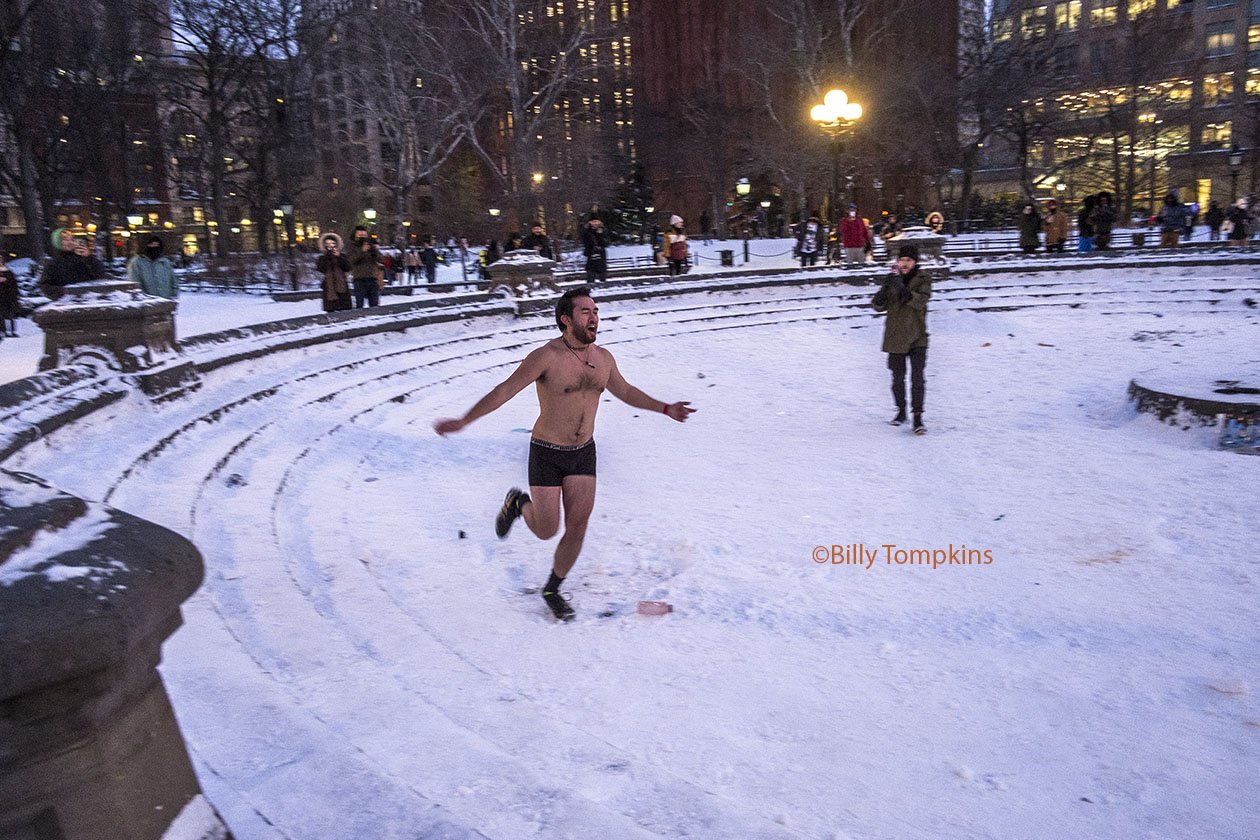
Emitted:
<point x="586" y="360"/>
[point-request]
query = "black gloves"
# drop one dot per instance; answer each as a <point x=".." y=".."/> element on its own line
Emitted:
<point x="897" y="288"/>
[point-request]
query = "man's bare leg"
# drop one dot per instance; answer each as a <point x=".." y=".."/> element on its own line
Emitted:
<point x="578" y="498"/>
<point x="542" y="512"/>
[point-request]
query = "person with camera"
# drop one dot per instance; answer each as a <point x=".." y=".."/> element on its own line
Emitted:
<point x="73" y="263"/>
<point x="335" y="267"/>
<point x="595" y="249"/>
<point x="904" y="296"/>
<point x="366" y="268"/>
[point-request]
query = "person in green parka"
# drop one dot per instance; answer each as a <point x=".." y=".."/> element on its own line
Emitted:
<point x="904" y="296"/>
<point x="153" y="271"/>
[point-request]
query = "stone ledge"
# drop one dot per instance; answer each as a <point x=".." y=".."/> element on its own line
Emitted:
<point x="103" y="580"/>
<point x="1190" y="399"/>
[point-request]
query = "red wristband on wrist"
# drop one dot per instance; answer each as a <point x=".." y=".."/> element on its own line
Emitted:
<point x="665" y="409"/>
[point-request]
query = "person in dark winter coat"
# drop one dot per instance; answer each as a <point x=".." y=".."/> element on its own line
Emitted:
<point x="335" y="266"/>
<point x="904" y="296"/>
<point x="153" y="271"/>
<point x="365" y="264"/>
<point x="1236" y="219"/>
<point x="1085" y="225"/>
<point x="73" y="263"/>
<point x="1214" y="217"/>
<point x="595" y="248"/>
<point x="538" y="241"/>
<point x="1104" y="219"/>
<point x="10" y="300"/>
<point x="1172" y="221"/>
<point x="429" y="260"/>
<point x="1029" y="228"/>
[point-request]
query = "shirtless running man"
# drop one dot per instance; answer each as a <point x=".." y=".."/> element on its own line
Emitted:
<point x="570" y="373"/>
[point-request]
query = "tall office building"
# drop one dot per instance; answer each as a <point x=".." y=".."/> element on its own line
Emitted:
<point x="1138" y="97"/>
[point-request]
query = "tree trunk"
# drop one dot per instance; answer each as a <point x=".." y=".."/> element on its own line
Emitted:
<point x="32" y="217"/>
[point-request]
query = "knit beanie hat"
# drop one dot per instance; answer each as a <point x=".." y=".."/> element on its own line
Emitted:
<point x="56" y="238"/>
<point x="908" y="250"/>
<point x="675" y="221"/>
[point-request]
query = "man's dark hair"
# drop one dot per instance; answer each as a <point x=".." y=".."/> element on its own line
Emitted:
<point x="564" y="306"/>
<point x="363" y="228"/>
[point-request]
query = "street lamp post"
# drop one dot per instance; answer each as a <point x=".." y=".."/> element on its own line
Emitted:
<point x="837" y="117"/>
<point x="134" y="220"/>
<point x="1152" y="119"/>
<point x="742" y="189"/>
<point x="1235" y="166"/>
<point x="286" y="209"/>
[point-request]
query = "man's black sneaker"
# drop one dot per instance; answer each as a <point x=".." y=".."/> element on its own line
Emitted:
<point x="899" y="419"/>
<point x="510" y="511"/>
<point x="559" y="605"/>
<point x="919" y="428"/>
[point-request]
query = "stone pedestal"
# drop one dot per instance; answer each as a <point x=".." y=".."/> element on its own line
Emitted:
<point x="931" y="245"/>
<point x="89" y="746"/>
<point x="112" y="322"/>
<point x="521" y="273"/>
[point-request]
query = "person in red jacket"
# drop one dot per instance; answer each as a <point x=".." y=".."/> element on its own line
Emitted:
<point x="854" y="237"/>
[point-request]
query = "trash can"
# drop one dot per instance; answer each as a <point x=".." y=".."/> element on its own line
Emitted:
<point x="728" y="257"/>
<point x="1139" y="239"/>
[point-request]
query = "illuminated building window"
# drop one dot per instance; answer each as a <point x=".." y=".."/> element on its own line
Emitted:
<point x="1103" y="12"/>
<point x="1067" y="15"/>
<point x="1253" y="83"/>
<point x="1216" y="135"/>
<point x="1002" y="30"/>
<point x="1220" y="39"/>
<point x="1138" y="7"/>
<point x="1033" y="22"/>
<point x="1217" y="89"/>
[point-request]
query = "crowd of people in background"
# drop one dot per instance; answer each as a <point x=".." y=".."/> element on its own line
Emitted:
<point x="354" y="275"/>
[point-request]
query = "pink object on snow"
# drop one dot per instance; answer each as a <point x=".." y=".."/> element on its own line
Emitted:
<point x="654" y="608"/>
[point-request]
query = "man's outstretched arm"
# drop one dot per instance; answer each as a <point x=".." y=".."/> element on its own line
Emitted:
<point x="528" y="371"/>
<point x="630" y="395"/>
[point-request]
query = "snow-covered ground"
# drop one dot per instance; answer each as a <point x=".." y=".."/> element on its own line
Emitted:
<point x="361" y="661"/>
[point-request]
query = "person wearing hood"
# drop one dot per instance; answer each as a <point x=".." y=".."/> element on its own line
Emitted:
<point x="153" y="271"/>
<point x="675" y="247"/>
<point x="1055" y="224"/>
<point x="73" y="263"/>
<point x="1104" y="220"/>
<point x="365" y="264"/>
<point x="1085" y="225"/>
<point x="904" y="296"/>
<point x="1236" y="221"/>
<point x="1214" y="217"/>
<point x="1029" y="228"/>
<point x="335" y="267"/>
<point x="595" y="248"/>
<point x="810" y="239"/>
